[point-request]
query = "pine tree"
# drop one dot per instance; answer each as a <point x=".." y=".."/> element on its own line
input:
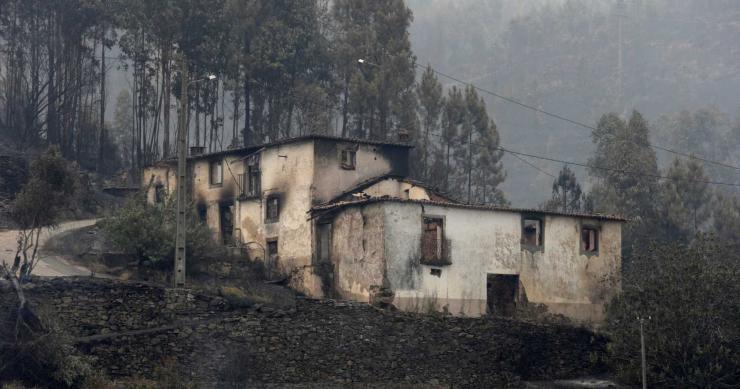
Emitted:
<point x="566" y="192"/>
<point x="627" y="182"/>
<point x="431" y="104"/>
<point x="684" y="201"/>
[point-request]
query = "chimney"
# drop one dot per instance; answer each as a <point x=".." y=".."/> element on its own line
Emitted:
<point x="196" y="150"/>
<point x="403" y="135"/>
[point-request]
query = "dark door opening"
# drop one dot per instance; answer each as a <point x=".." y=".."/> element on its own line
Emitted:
<point x="226" y="215"/>
<point x="323" y="243"/>
<point x="502" y="294"/>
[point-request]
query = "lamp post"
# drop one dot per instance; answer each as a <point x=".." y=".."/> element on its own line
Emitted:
<point x="182" y="146"/>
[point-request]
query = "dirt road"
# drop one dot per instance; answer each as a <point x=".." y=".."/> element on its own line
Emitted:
<point x="49" y="265"/>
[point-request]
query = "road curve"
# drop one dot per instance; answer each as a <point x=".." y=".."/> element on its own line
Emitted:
<point x="49" y="265"/>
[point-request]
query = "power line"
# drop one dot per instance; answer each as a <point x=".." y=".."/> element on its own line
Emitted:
<point x="531" y="164"/>
<point x="571" y="121"/>
<point x="622" y="171"/>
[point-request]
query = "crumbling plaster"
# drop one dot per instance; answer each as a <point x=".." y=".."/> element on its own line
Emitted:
<point x="483" y="242"/>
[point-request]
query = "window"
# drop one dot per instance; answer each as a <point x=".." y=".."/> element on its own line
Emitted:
<point x="589" y="240"/>
<point x="271" y="253"/>
<point x="532" y="233"/>
<point x="272" y="209"/>
<point x="349" y="158"/>
<point x="202" y="213"/>
<point x="436" y="272"/>
<point x="252" y="178"/>
<point x="432" y="241"/>
<point x="159" y="193"/>
<point x="215" y="173"/>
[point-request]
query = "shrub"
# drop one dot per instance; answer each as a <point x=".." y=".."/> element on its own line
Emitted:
<point x="690" y="295"/>
<point x="148" y="231"/>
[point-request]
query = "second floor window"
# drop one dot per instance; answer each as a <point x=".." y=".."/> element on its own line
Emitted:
<point x="589" y="240"/>
<point x="215" y="173"/>
<point x="272" y="209"/>
<point x="532" y="233"/>
<point x="349" y="157"/>
<point x="252" y="178"/>
<point x="433" y="242"/>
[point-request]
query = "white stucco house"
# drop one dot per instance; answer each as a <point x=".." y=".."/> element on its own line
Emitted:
<point x="339" y="217"/>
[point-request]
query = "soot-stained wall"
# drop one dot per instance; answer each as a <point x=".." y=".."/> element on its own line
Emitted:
<point x="480" y="242"/>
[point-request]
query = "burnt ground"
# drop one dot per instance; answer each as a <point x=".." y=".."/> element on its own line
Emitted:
<point x="131" y="328"/>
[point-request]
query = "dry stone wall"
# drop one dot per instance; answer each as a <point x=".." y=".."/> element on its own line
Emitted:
<point x="131" y="328"/>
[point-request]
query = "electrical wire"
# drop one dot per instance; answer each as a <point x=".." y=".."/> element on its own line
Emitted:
<point x="565" y="119"/>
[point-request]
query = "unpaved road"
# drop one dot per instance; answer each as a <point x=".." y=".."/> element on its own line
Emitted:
<point x="51" y="265"/>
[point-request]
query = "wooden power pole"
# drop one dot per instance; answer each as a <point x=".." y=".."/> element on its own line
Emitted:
<point x="182" y="153"/>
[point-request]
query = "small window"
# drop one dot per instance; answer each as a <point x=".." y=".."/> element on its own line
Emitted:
<point x="349" y="158"/>
<point x="272" y="248"/>
<point x="436" y="272"/>
<point x="432" y="241"/>
<point x="252" y="178"/>
<point x="272" y="209"/>
<point x="589" y="240"/>
<point x="215" y="173"/>
<point x="532" y="232"/>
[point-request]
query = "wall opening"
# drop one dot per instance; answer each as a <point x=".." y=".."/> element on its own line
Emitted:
<point x="589" y="240"/>
<point x="323" y="242"/>
<point x="226" y="216"/>
<point x="502" y="290"/>
<point x="533" y="233"/>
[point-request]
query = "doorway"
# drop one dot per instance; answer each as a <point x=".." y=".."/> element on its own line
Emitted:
<point x="502" y="290"/>
<point x="226" y="215"/>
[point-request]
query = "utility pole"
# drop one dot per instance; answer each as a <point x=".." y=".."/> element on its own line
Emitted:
<point x="642" y="353"/>
<point x="182" y="153"/>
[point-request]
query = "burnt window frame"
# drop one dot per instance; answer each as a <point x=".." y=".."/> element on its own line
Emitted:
<point x="252" y="169"/>
<point x="268" y="218"/>
<point x="349" y="163"/>
<point x="211" y="182"/>
<point x="442" y="258"/>
<point x="597" y="230"/>
<point x="527" y="246"/>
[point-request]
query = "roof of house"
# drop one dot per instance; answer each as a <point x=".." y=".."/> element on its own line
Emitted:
<point x="299" y="139"/>
<point x="370" y="200"/>
<point x="435" y="193"/>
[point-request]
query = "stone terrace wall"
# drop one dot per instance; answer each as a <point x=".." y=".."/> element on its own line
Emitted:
<point x="324" y="342"/>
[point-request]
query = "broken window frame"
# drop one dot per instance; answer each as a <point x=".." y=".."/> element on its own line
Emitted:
<point x="539" y="244"/>
<point x="216" y="180"/>
<point x="269" y="216"/>
<point x="252" y="178"/>
<point x="348" y="158"/>
<point x="581" y="242"/>
<point x="436" y="238"/>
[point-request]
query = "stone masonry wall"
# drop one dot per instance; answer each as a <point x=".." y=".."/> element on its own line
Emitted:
<point x="328" y="343"/>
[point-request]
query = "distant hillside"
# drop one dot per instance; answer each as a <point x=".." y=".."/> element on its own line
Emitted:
<point x="563" y="56"/>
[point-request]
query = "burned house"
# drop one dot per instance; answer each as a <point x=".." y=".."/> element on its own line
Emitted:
<point x="339" y="217"/>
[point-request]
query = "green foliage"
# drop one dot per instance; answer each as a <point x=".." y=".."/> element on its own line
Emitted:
<point x="687" y="296"/>
<point x="566" y="192"/>
<point x="726" y="219"/>
<point x="148" y="231"/>
<point x="628" y="188"/>
<point x="685" y="200"/>
<point x="47" y="193"/>
<point x="45" y="356"/>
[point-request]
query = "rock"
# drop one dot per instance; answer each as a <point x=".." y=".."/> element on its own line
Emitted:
<point x="235" y="296"/>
